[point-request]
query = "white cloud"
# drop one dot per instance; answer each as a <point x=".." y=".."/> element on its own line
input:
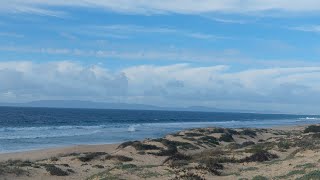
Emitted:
<point x="11" y="35"/>
<point x="135" y="54"/>
<point x="166" y="6"/>
<point x="160" y="85"/>
<point x="59" y="79"/>
<point x="310" y="28"/>
<point x="122" y="31"/>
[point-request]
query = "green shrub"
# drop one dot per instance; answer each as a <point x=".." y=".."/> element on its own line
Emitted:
<point x="191" y="176"/>
<point x="306" y="166"/>
<point x="54" y="159"/>
<point x="178" y="160"/>
<point x="226" y="137"/>
<point x="90" y="156"/>
<point x="233" y="132"/>
<point x="172" y="147"/>
<point x="209" y="140"/>
<point x="247" y="143"/>
<point x="11" y="170"/>
<point x="312" y="128"/>
<point x="119" y="158"/>
<point x="218" y="130"/>
<point x="128" y="166"/>
<point x="316" y="136"/>
<point x="55" y="171"/>
<point x="248" y="132"/>
<point x="138" y="146"/>
<point x="291" y="173"/>
<point x="98" y="166"/>
<point x="260" y="156"/>
<point x="313" y="175"/>
<point x="259" y="178"/>
<point x="284" y="144"/>
<point x="192" y="134"/>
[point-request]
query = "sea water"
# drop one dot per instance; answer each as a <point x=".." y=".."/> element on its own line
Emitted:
<point x="23" y="129"/>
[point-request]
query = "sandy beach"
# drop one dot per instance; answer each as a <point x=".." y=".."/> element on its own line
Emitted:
<point x="203" y="153"/>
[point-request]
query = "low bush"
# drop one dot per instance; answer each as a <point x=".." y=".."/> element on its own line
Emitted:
<point x="119" y="158"/>
<point x="138" y="146"/>
<point x="260" y="156"/>
<point x="190" y="176"/>
<point x="313" y="175"/>
<point x="312" y="128"/>
<point x="98" y="166"/>
<point x="178" y="160"/>
<point x="90" y="156"/>
<point x="54" y="159"/>
<point x="172" y="147"/>
<point x="247" y="143"/>
<point x="11" y="170"/>
<point x="233" y="132"/>
<point x="55" y="171"/>
<point x="208" y="140"/>
<point x="218" y="130"/>
<point x="248" y="132"/>
<point x="259" y="178"/>
<point x="192" y="134"/>
<point x="226" y="137"/>
<point x="284" y="144"/>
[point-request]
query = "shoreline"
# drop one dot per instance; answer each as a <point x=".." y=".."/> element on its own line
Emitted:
<point x="202" y="153"/>
<point x="54" y="151"/>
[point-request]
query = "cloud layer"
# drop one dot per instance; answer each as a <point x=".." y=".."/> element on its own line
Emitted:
<point x="164" y="6"/>
<point x="161" y="85"/>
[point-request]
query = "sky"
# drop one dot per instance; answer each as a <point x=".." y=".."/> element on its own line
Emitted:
<point x="230" y="54"/>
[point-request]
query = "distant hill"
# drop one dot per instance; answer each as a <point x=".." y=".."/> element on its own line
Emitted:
<point x="103" y="105"/>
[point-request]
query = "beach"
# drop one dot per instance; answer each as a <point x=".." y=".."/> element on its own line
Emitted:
<point x="199" y="153"/>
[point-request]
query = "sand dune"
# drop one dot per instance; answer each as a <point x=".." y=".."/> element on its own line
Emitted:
<point x="206" y="153"/>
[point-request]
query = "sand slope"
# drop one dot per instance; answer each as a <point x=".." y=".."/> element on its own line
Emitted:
<point x="207" y="153"/>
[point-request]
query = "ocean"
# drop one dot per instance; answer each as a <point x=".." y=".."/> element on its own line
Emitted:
<point x="23" y="129"/>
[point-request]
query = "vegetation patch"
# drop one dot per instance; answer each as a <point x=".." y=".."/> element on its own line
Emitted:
<point x="138" y="146"/>
<point x="148" y="174"/>
<point x="18" y="163"/>
<point x="284" y="144"/>
<point x="218" y="130"/>
<point x="192" y="134"/>
<point x="189" y="176"/>
<point x="128" y="166"/>
<point x="11" y="170"/>
<point x="306" y="166"/>
<point x="259" y="178"/>
<point x="119" y="158"/>
<point x="106" y="175"/>
<point x="260" y="156"/>
<point x="90" y="156"/>
<point x="178" y="160"/>
<point x="248" y="169"/>
<point x="313" y="175"/>
<point x="209" y="140"/>
<point x="226" y="137"/>
<point x="233" y="132"/>
<point x="248" y="132"/>
<point x="312" y="128"/>
<point x="260" y="147"/>
<point x="247" y="143"/>
<point x="98" y="166"/>
<point x="55" y="171"/>
<point x="172" y="147"/>
<point x="291" y="173"/>
<point x="316" y="136"/>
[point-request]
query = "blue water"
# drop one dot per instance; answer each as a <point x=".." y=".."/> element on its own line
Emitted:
<point x="24" y="129"/>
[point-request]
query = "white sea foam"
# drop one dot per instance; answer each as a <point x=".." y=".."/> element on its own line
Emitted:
<point x="132" y="128"/>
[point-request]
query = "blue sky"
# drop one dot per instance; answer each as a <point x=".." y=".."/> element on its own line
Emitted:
<point x="228" y="54"/>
